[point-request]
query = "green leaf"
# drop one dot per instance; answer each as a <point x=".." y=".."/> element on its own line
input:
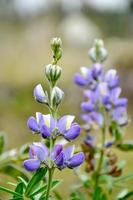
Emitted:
<point x="19" y="189"/>
<point x="36" y="178"/>
<point x="126" y="146"/>
<point x="2" y="142"/>
<point x="23" y="181"/>
<point x="116" y="132"/>
<point x="10" y="191"/>
<point x="124" y="194"/>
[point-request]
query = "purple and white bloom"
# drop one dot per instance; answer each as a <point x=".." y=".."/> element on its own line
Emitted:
<point x="94" y="119"/>
<point x="112" y="78"/>
<point x="66" y="157"/>
<point x="120" y="116"/>
<point x="38" y="153"/>
<point x="85" y="78"/>
<point x="61" y="157"/>
<point x="46" y="125"/>
<point x="43" y="124"/>
<point x="97" y="71"/>
<point x="67" y="128"/>
<point x="39" y="94"/>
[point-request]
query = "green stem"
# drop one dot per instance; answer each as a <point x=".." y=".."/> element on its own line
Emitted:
<point x="50" y="175"/>
<point x="99" y="167"/>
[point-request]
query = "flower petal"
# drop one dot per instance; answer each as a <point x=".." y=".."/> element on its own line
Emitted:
<point x="39" y="152"/>
<point x="65" y="122"/>
<point x="45" y="131"/>
<point x="69" y="151"/>
<point x="31" y="164"/>
<point x="58" y="148"/>
<point x="79" y="80"/>
<point x="121" y="102"/>
<point x="39" y="94"/>
<point x="87" y="107"/>
<point x="76" y="160"/>
<point x="73" y="132"/>
<point x="32" y="124"/>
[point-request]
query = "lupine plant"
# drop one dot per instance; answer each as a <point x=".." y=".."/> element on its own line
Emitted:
<point x="104" y="116"/>
<point x="49" y="153"/>
<point x="104" y="113"/>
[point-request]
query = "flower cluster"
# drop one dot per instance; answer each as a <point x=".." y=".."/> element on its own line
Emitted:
<point x="50" y="127"/>
<point x="102" y="96"/>
<point x="60" y="157"/>
<point x="104" y="109"/>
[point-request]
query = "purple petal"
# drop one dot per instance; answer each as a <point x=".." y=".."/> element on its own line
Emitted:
<point x="65" y="122"/>
<point x="97" y="118"/>
<point x="80" y="80"/>
<point x="68" y="152"/>
<point x="87" y="107"/>
<point x="73" y="132"/>
<point x="76" y="160"/>
<point x="58" y="148"/>
<point x="89" y="140"/>
<point x="45" y="131"/>
<point x="39" y="94"/>
<point x="32" y="124"/>
<point x="49" y="122"/>
<point x="37" y="151"/>
<point x="120" y="115"/>
<point x="121" y="102"/>
<point x="96" y="70"/>
<point x="60" y="160"/>
<point x="115" y="93"/>
<point x="31" y="164"/>
<point x="39" y="119"/>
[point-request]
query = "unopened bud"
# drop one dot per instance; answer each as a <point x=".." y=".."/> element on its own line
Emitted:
<point x="56" y="97"/>
<point x="53" y="73"/>
<point x="56" y="44"/>
<point x="98" y="53"/>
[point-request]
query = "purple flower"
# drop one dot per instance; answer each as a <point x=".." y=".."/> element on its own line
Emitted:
<point x="66" y="157"/>
<point x="89" y="140"/>
<point x="66" y="128"/>
<point x="97" y="71"/>
<point x="94" y="119"/>
<point x="120" y="116"/>
<point x="39" y="94"/>
<point x="112" y="78"/>
<point x="38" y="153"/>
<point x="61" y="157"/>
<point x="45" y="124"/>
<point x="84" y="78"/>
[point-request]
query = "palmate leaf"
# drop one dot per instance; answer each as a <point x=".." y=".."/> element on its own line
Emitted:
<point x="37" y="177"/>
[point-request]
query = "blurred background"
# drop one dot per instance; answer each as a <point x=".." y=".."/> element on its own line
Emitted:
<point x="26" y="27"/>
